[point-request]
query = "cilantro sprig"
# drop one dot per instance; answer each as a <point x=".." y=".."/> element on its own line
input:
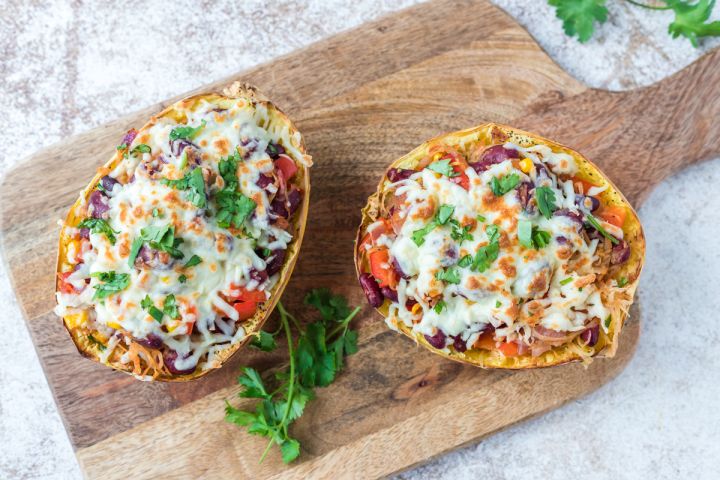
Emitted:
<point x="186" y="132"/>
<point x="443" y="167"/>
<point x="232" y="206"/>
<point x="441" y="218"/>
<point x="545" y="198"/>
<point x="169" y="308"/>
<point x="579" y="17"/>
<point x="160" y="238"/>
<point x="314" y="361"/>
<point x="594" y="222"/>
<point x="99" y="225"/>
<point x="112" y="283"/>
<point x="501" y="186"/>
<point x="194" y="183"/>
<point x="449" y="275"/>
<point x="485" y="256"/>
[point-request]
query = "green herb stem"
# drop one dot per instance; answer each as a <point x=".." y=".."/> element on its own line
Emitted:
<point x="649" y="7"/>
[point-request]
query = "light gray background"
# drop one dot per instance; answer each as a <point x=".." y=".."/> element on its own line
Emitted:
<point x="67" y="66"/>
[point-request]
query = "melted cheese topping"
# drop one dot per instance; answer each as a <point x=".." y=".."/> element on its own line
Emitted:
<point x="206" y="321"/>
<point x="523" y="287"/>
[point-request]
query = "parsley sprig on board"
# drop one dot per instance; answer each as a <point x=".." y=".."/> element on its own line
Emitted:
<point x="314" y="361"/>
<point x="691" y="17"/>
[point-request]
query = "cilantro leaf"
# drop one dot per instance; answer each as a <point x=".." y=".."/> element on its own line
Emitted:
<point x="460" y="234"/>
<point x="162" y="238"/>
<point x="331" y="307"/>
<point x="449" y="275"/>
<point x="579" y="16"/>
<point x="465" y="261"/>
<point x="485" y="256"/>
<point x="264" y="341"/>
<point x="690" y="20"/>
<point x="233" y="208"/>
<point x="622" y="281"/>
<point x="439" y="306"/>
<point x="186" y="132"/>
<point x="290" y="450"/>
<point x="112" y="283"/>
<point x="540" y="238"/>
<point x="443" y="167"/>
<point x="444" y="214"/>
<point x="182" y="278"/>
<point x="149" y="305"/>
<point x="565" y="281"/>
<point x="228" y="171"/>
<point x="545" y="198"/>
<point x="134" y="250"/>
<point x="194" y="260"/>
<point x="142" y="148"/>
<point x="170" y="307"/>
<point x="501" y="186"/>
<point x="98" y="225"/>
<point x="418" y="236"/>
<point x="194" y="182"/>
<point x="253" y="384"/>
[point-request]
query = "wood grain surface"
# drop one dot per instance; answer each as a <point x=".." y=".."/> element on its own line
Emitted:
<point x="361" y="99"/>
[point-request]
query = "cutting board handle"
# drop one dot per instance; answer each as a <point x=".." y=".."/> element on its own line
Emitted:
<point x="640" y="137"/>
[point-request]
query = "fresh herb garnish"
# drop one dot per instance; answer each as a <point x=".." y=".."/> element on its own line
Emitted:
<point x="593" y="221"/>
<point x="498" y="304"/>
<point x="465" y="261"/>
<point x="441" y="218"/>
<point x="170" y="307"/>
<point x="443" y="167"/>
<point x="134" y="250"/>
<point x="565" y="281"/>
<point x="486" y="255"/>
<point x="579" y="16"/>
<point x="480" y="218"/>
<point x="194" y="260"/>
<point x="622" y="281"/>
<point x="315" y="361"/>
<point x="98" y="225"/>
<point x="163" y="239"/>
<point x="439" y="306"/>
<point x="540" y="238"/>
<point x="112" y="283"/>
<point x="194" y="183"/>
<point x="182" y="278"/>
<point x="264" y="341"/>
<point x="524" y="231"/>
<point x="122" y="146"/>
<point x="228" y="171"/>
<point x="233" y="208"/>
<point x="187" y="133"/>
<point x="449" y="275"/>
<point x="149" y="305"/>
<point x="545" y="199"/>
<point x="444" y="214"/>
<point x="155" y="212"/>
<point x="142" y="148"/>
<point x="607" y="321"/>
<point x="96" y="342"/>
<point x="460" y="234"/>
<point x="501" y="186"/>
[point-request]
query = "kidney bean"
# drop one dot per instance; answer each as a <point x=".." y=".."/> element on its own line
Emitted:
<point x="129" y="137"/>
<point x="259" y="275"/>
<point x="437" y="340"/>
<point x="398" y="270"/>
<point x="285" y="209"/>
<point x="99" y="204"/>
<point x="170" y="357"/>
<point x="151" y="341"/>
<point x="620" y="253"/>
<point x="108" y="183"/>
<point x="264" y="180"/>
<point x="590" y="335"/>
<point x="493" y="155"/>
<point x="277" y="258"/>
<point x="274" y="150"/>
<point x="397" y="174"/>
<point x="459" y="344"/>
<point x="389" y="293"/>
<point x="564" y="212"/>
<point x="590" y="203"/>
<point x="372" y="290"/>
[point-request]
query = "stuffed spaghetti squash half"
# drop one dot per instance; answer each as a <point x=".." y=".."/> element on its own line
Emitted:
<point x="498" y="248"/>
<point x="177" y="251"/>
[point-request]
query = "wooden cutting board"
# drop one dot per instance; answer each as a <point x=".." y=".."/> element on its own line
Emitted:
<point x="361" y="99"/>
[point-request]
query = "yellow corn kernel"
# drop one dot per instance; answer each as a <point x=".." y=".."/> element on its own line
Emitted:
<point x="416" y="308"/>
<point x="76" y="320"/>
<point x="437" y="157"/>
<point x="526" y="165"/>
<point x="114" y="325"/>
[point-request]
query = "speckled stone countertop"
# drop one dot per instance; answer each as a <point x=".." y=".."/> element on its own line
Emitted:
<point x="68" y="66"/>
